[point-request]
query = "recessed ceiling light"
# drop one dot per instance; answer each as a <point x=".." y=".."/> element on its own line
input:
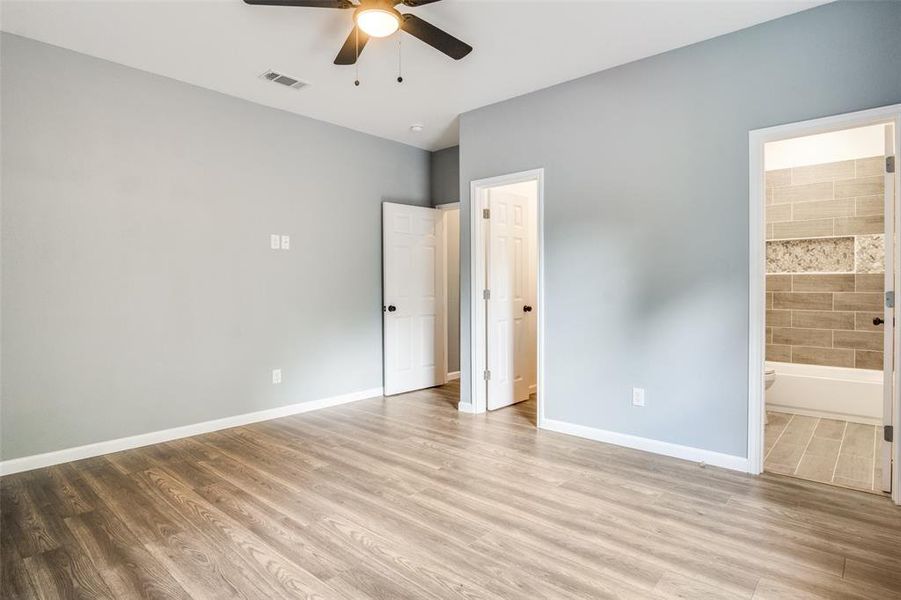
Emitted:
<point x="416" y="128"/>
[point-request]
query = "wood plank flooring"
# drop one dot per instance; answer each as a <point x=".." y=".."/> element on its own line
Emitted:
<point x="407" y="498"/>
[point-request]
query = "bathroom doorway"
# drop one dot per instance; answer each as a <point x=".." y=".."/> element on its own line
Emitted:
<point x="823" y="337"/>
<point x="506" y="307"/>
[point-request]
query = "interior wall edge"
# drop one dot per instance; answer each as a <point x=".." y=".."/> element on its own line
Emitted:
<point x="689" y="453"/>
<point x="47" y="459"/>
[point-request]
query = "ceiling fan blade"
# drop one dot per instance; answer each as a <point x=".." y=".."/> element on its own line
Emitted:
<point x="350" y="50"/>
<point x="304" y="3"/>
<point x="434" y="37"/>
<point x="417" y="2"/>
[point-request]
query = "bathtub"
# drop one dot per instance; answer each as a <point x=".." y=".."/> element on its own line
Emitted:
<point x="835" y="392"/>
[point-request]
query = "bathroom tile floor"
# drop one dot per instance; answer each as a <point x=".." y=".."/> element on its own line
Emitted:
<point x="825" y="450"/>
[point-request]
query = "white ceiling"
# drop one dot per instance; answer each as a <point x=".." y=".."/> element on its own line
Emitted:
<point x="520" y="46"/>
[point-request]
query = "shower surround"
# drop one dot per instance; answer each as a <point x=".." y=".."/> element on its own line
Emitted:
<point x="825" y="263"/>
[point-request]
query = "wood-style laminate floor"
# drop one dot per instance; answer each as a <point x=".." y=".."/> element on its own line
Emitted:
<point x="407" y="498"/>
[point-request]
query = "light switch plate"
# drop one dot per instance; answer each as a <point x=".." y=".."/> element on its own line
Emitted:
<point x="286" y="242"/>
<point x="276" y="375"/>
<point x="274" y="241"/>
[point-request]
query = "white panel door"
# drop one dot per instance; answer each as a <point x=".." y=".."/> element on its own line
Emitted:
<point x="889" y="348"/>
<point x="413" y="284"/>
<point x="510" y="337"/>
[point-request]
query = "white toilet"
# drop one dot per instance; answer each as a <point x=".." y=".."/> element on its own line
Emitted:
<point x="769" y="378"/>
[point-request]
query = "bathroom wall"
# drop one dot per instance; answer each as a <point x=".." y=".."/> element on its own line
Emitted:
<point x="825" y="263"/>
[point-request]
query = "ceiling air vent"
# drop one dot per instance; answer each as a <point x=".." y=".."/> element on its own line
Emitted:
<point x="284" y="80"/>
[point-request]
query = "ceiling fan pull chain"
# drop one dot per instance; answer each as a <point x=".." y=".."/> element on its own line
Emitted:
<point x="400" y="64"/>
<point x="357" y="56"/>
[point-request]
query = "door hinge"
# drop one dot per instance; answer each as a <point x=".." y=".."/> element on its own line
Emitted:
<point x="888" y="433"/>
<point x="486" y="213"/>
<point x="890" y="299"/>
<point x="889" y="164"/>
<point x="487" y="375"/>
<point x="486" y="294"/>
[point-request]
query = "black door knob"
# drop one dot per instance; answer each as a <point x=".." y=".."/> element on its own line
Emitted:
<point x="878" y="321"/>
<point x="391" y="308"/>
<point x="526" y="308"/>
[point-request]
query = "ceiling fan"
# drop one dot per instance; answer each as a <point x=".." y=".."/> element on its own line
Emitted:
<point x="379" y="18"/>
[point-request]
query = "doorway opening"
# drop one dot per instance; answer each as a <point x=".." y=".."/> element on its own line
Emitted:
<point x="506" y="300"/>
<point x="421" y="299"/>
<point x="822" y="371"/>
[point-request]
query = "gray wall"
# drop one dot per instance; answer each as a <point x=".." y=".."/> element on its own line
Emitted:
<point x="139" y="290"/>
<point x="445" y="176"/>
<point x="646" y="211"/>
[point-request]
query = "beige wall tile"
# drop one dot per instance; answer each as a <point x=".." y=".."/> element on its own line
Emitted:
<point x="769" y="231"/>
<point x="769" y="335"/>
<point x="866" y="359"/>
<point x="780" y="212"/>
<point x="779" y="318"/>
<point x="859" y="340"/>
<point x="820" y="338"/>
<point x="778" y="283"/>
<point x="823" y="172"/>
<point x="869" y="282"/>
<point x="863" y="321"/>
<point x="823" y="283"/>
<point x="802" y="301"/>
<point x="868" y="167"/>
<point x="870" y="205"/>
<point x="778" y="177"/>
<point x="833" y="357"/>
<point x="805" y="229"/>
<point x="769" y="195"/>
<point x="803" y="193"/>
<point x="820" y="319"/>
<point x="860" y="186"/>
<point x="779" y="353"/>
<point x="859" y="225"/>
<point x="856" y="301"/>
<point x="821" y="209"/>
<point x="769" y="300"/>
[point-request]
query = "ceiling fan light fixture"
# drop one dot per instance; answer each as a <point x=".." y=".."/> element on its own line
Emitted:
<point x="377" y="22"/>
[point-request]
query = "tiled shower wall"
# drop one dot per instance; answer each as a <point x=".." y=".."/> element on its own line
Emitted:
<point x="825" y="263"/>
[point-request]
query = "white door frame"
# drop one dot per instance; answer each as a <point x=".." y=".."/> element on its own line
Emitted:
<point x="477" y="201"/>
<point x="757" y="272"/>
<point x="443" y="208"/>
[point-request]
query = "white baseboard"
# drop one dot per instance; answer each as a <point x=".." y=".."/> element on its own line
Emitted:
<point x="453" y="375"/>
<point x="717" y="459"/>
<point x="466" y="407"/>
<point x="27" y="463"/>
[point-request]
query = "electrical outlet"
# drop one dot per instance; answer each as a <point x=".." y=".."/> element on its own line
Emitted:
<point x="276" y="375"/>
<point x="275" y="241"/>
<point x="637" y="396"/>
<point x="286" y="242"/>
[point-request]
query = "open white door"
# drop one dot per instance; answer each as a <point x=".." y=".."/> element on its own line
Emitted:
<point x="889" y="354"/>
<point x="511" y="343"/>
<point x="413" y="284"/>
